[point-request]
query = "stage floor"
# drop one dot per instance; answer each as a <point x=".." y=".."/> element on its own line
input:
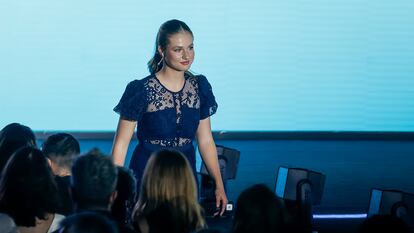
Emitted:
<point x="320" y="225"/>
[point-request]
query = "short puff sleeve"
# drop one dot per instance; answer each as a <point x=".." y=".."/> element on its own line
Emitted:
<point x="208" y="104"/>
<point x="133" y="102"/>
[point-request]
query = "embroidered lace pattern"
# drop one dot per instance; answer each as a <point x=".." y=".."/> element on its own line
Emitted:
<point x="160" y="98"/>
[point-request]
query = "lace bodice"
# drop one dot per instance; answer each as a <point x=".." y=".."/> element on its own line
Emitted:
<point x="167" y="118"/>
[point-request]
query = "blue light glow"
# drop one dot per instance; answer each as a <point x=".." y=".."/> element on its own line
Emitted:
<point x="338" y="216"/>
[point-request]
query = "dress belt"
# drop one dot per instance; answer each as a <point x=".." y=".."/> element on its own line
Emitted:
<point x="154" y="147"/>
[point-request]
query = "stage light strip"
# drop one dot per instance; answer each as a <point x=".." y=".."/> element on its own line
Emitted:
<point x="338" y="216"/>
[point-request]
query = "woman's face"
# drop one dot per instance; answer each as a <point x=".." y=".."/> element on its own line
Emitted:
<point x="179" y="54"/>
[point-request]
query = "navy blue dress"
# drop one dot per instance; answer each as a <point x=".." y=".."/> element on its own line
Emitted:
<point x="166" y="119"/>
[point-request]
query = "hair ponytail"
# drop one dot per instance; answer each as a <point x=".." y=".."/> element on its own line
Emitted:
<point x="155" y="64"/>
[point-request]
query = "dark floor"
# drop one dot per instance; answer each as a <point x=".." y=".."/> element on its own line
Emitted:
<point x="320" y="225"/>
<point x="337" y="225"/>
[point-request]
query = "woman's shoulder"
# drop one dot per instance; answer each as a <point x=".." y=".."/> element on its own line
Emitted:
<point x="202" y="82"/>
<point x="195" y="76"/>
<point x="200" y="79"/>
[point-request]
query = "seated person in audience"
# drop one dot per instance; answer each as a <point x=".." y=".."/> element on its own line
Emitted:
<point x="94" y="179"/>
<point x="126" y="188"/>
<point x="87" y="222"/>
<point x="12" y="137"/>
<point x="259" y="210"/>
<point x="384" y="224"/>
<point x="168" y="196"/>
<point x="61" y="149"/>
<point x="28" y="192"/>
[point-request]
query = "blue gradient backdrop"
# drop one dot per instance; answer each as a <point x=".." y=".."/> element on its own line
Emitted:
<point x="274" y="65"/>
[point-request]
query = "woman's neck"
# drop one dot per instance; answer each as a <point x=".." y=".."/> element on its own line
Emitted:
<point x="170" y="73"/>
<point x="172" y="79"/>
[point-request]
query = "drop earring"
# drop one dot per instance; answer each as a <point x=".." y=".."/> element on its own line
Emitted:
<point x="160" y="62"/>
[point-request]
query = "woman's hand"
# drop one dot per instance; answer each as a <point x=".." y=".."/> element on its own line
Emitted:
<point x="221" y="201"/>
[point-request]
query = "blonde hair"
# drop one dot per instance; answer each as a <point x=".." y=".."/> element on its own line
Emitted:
<point x="169" y="179"/>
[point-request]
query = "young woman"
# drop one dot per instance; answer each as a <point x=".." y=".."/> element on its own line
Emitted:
<point x="170" y="108"/>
